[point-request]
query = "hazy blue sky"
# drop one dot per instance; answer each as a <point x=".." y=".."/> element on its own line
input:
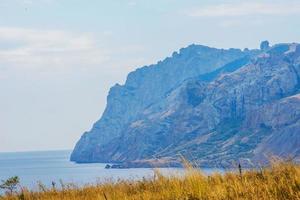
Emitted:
<point x="58" y="58"/>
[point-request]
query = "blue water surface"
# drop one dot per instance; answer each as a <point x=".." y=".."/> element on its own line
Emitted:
<point x="49" y="166"/>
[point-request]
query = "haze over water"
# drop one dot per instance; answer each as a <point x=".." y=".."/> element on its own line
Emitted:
<point x="48" y="166"/>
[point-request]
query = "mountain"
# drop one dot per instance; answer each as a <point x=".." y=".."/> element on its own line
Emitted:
<point x="144" y="87"/>
<point x="212" y="106"/>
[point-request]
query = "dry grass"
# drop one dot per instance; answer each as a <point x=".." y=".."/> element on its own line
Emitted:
<point x="279" y="181"/>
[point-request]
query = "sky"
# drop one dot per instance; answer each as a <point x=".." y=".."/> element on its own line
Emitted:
<point x="58" y="58"/>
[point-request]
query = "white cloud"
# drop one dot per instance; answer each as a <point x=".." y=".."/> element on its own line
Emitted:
<point x="26" y="2"/>
<point x="48" y="49"/>
<point x="246" y="9"/>
<point x="132" y="3"/>
<point x="30" y="2"/>
<point x="233" y="22"/>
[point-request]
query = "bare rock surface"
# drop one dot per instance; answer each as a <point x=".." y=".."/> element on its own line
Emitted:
<point x="214" y="107"/>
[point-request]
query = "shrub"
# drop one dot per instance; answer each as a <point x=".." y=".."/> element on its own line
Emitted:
<point x="10" y="185"/>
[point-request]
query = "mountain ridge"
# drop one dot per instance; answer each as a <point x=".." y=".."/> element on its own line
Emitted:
<point x="202" y="109"/>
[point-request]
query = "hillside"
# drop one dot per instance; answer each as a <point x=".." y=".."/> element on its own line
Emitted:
<point x="212" y="106"/>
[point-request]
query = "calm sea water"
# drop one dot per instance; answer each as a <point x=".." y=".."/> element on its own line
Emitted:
<point x="49" y="166"/>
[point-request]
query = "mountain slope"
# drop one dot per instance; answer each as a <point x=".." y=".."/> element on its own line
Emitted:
<point x="246" y="110"/>
<point x="146" y="86"/>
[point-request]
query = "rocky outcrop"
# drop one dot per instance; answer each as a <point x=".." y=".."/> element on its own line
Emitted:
<point x="146" y="86"/>
<point x="246" y="110"/>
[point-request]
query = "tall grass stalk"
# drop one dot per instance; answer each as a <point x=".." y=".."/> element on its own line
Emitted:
<point x="279" y="181"/>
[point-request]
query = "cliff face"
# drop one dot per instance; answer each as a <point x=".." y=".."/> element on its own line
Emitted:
<point x="240" y="106"/>
<point x="144" y="87"/>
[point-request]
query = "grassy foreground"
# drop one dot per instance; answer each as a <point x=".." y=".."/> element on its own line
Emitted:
<point x="279" y="181"/>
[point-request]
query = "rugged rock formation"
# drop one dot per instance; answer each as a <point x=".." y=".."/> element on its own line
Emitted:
<point x="247" y="109"/>
<point x="146" y="86"/>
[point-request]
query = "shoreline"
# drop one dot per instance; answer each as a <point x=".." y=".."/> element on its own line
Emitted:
<point x="279" y="181"/>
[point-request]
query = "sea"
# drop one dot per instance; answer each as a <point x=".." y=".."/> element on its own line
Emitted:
<point x="46" y="167"/>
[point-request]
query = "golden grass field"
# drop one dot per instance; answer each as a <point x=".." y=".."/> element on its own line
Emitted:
<point x="281" y="181"/>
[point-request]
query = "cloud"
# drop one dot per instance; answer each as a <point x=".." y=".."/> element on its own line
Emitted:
<point x="233" y="22"/>
<point x="246" y="9"/>
<point x="26" y="2"/>
<point x="48" y="49"/>
<point x="132" y="3"/>
<point x="30" y="2"/>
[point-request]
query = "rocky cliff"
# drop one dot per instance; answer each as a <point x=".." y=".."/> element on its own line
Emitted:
<point x="212" y="106"/>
